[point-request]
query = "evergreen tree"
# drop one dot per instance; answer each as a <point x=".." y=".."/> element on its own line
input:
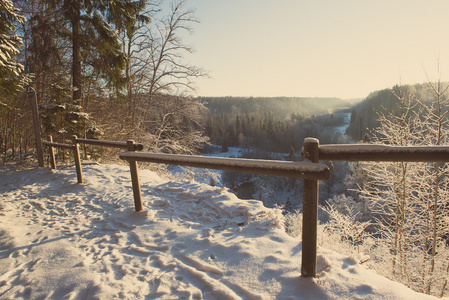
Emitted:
<point x="292" y="154"/>
<point x="91" y="28"/>
<point x="73" y="49"/>
<point x="10" y="69"/>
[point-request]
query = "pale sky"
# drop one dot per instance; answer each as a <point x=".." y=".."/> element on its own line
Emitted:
<point x="322" y="48"/>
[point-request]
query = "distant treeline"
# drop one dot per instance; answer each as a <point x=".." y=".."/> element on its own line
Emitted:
<point x="365" y="115"/>
<point x="279" y="107"/>
<point x="271" y="124"/>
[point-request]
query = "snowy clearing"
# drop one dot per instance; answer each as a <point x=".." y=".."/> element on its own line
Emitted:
<point x="63" y="240"/>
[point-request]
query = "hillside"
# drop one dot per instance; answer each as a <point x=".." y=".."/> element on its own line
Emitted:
<point x="273" y="124"/>
<point x="365" y="114"/>
<point x="63" y="240"/>
<point x="279" y="107"/>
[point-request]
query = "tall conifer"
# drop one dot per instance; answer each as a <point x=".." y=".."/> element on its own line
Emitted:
<point x="9" y="44"/>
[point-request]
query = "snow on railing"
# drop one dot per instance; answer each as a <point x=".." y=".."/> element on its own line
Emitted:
<point x="110" y="144"/>
<point x="366" y="152"/>
<point x="304" y="170"/>
<point x="130" y="145"/>
<point x="310" y="170"/>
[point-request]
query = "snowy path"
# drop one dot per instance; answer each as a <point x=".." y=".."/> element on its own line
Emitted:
<point x="63" y="240"/>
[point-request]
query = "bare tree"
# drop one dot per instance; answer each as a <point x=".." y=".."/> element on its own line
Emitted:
<point x="155" y="59"/>
<point x="409" y="200"/>
<point x="177" y="126"/>
<point x="155" y="69"/>
<point x="133" y="40"/>
<point x="434" y="125"/>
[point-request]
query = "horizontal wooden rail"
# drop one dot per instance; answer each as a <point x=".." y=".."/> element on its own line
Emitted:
<point x="112" y="144"/>
<point x="309" y="170"/>
<point x="59" y="145"/>
<point x="76" y="155"/>
<point x="304" y="170"/>
<point x="129" y="145"/>
<point x="383" y="153"/>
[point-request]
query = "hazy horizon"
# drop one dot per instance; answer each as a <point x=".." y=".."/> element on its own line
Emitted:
<point x="343" y="49"/>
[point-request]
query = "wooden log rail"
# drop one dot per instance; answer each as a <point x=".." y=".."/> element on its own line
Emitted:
<point x="130" y="145"/>
<point x="309" y="170"/>
<point x="367" y="152"/>
<point x="303" y="170"/>
<point x="76" y="155"/>
<point x="110" y="144"/>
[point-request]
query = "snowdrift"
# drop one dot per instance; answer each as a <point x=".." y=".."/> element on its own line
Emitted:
<point x="64" y="240"/>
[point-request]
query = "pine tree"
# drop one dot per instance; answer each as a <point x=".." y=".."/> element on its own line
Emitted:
<point x="91" y="29"/>
<point x="291" y="154"/>
<point x="73" y="49"/>
<point x="10" y="69"/>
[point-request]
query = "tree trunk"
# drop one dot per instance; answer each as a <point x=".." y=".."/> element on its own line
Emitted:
<point x="76" y="54"/>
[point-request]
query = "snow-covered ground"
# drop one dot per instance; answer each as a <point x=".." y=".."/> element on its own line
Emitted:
<point x="205" y="175"/>
<point x="63" y="240"/>
<point x="232" y="152"/>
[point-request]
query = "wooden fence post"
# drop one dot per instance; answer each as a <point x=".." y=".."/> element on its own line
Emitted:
<point x="76" y="154"/>
<point x="52" y="154"/>
<point x="37" y="127"/>
<point x="310" y="212"/>
<point x="135" y="178"/>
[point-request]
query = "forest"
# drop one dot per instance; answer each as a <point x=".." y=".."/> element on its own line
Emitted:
<point x="397" y="214"/>
<point x="60" y="50"/>
<point x="272" y="124"/>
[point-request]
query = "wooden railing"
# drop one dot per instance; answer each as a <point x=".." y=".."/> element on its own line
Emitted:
<point x="367" y="152"/>
<point x="310" y="170"/>
<point x="129" y="145"/>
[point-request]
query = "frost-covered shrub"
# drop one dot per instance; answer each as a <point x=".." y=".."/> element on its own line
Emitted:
<point x="408" y="200"/>
<point x="343" y="233"/>
<point x="293" y="223"/>
<point x="347" y="205"/>
<point x="345" y="225"/>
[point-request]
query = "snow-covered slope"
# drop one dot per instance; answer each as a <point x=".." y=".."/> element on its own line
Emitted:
<point x="63" y="240"/>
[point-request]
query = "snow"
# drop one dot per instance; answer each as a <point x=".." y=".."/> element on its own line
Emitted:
<point x="380" y="152"/>
<point x="64" y="240"/>
<point x="233" y="152"/>
<point x="340" y="131"/>
<point x="305" y="169"/>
